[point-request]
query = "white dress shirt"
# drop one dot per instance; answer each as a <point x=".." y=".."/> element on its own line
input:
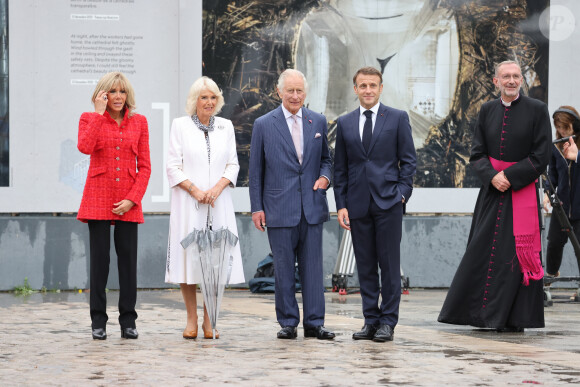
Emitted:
<point x="363" y="118"/>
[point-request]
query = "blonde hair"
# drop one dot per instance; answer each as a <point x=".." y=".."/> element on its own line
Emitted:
<point x="203" y="83"/>
<point x="112" y="79"/>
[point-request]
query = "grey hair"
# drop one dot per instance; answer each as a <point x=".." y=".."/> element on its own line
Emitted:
<point x="505" y="62"/>
<point x="287" y="73"/>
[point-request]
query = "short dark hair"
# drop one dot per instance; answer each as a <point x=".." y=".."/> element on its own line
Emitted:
<point x="368" y="70"/>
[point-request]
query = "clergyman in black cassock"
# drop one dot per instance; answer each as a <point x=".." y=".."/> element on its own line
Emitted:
<point x="489" y="289"/>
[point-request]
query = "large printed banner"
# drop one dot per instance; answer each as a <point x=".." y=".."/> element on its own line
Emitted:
<point x="436" y="56"/>
<point x="58" y="51"/>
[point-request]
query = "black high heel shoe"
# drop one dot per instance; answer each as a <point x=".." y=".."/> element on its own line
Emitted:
<point x="99" y="334"/>
<point x="129" y="333"/>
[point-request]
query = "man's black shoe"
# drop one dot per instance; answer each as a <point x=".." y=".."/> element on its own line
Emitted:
<point x="99" y="334"/>
<point x="384" y="333"/>
<point x="366" y="333"/>
<point x="320" y="332"/>
<point x="129" y="333"/>
<point x="287" y="333"/>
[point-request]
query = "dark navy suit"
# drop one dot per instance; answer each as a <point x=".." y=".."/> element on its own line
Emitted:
<point x="371" y="186"/>
<point x="282" y="188"/>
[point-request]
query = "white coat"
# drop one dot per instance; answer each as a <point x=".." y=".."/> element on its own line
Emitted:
<point x="188" y="160"/>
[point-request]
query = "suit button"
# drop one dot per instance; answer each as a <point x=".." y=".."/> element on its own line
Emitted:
<point x="299" y="189"/>
<point x="117" y="148"/>
<point x="120" y="132"/>
<point x="117" y="179"/>
<point x="121" y="140"/>
<point x="116" y="158"/>
<point x="118" y="169"/>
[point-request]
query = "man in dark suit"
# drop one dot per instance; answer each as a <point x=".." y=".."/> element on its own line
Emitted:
<point x="374" y="164"/>
<point x="290" y="169"/>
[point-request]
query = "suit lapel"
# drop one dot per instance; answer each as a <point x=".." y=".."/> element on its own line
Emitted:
<point x="379" y="125"/>
<point x="353" y="122"/>
<point x="307" y="132"/>
<point x="282" y="127"/>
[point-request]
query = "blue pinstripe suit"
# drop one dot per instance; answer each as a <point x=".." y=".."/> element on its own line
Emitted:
<point x="282" y="188"/>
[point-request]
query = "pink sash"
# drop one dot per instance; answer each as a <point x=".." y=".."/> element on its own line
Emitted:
<point x="526" y="227"/>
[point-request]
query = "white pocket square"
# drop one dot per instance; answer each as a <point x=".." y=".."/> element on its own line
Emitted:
<point x="317" y="135"/>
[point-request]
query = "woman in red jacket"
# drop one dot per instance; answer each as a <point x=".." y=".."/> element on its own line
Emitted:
<point x="117" y="139"/>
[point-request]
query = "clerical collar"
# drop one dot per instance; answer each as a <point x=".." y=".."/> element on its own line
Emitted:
<point x="508" y="104"/>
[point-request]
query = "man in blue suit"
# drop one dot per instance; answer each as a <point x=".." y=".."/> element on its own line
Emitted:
<point x="290" y="168"/>
<point x="374" y="164"/>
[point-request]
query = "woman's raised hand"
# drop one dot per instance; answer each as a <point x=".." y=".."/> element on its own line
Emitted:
<point x="101" y="102"/>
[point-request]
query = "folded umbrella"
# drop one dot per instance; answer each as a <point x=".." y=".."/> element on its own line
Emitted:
<point x="215" y="261"/>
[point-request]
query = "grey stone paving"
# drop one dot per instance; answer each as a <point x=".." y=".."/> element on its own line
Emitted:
<point x="45" y="340"/>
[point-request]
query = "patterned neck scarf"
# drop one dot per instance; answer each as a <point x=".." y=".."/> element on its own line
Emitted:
<point x="205" y="130"/>
<point x="201" y="126"/>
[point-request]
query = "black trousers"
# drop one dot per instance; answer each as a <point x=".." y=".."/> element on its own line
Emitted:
<point x="556" y="241"/>
<point x="125" y="237"/>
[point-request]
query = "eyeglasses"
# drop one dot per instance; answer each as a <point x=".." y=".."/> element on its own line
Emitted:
<point x="507" y="77"/>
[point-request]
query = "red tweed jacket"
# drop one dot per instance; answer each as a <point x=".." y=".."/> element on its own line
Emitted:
<point x="120" y="165"/>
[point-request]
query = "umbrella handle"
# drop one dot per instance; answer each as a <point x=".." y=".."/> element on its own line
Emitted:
<point x="209" y="220"/>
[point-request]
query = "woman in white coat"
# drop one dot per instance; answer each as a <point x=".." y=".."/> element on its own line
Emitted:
<point x="202" y="167"/>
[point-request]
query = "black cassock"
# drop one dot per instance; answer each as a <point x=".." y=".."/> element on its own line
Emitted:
<point x="487" y="289"/>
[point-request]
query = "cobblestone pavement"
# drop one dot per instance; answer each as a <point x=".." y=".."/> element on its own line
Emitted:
<point x="45" y="339"/>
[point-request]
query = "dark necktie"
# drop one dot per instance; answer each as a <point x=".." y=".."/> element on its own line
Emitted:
<point x="367" y="130"/>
